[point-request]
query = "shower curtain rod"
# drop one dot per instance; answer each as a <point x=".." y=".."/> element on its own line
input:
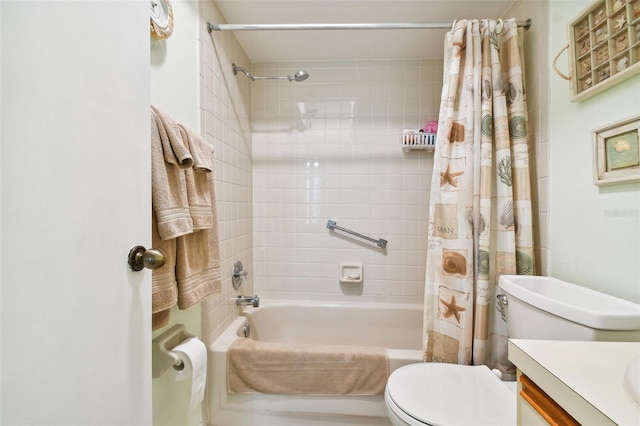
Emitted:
<point x="292" y="27"/>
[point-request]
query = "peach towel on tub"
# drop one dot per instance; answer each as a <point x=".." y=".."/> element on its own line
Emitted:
<point x="302" y="369"/>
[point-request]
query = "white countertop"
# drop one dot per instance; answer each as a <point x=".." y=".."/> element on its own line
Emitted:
<point x="585" y="378"/>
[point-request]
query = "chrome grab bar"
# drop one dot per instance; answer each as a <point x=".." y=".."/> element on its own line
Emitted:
<point x="382" y="243"/>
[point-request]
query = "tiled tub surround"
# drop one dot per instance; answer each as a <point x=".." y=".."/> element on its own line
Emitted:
<point x="395" y="327"/>
<point x="329" y="148"/>
<point x="225" y="108"/>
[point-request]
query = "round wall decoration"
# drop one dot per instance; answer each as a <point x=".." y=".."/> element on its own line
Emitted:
<point x="161" y="25"/>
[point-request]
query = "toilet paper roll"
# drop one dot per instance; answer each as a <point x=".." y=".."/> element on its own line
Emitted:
<point x="193" y="353"/>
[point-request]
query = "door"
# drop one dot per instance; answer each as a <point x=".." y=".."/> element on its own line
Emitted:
<point x="75" y="197"/>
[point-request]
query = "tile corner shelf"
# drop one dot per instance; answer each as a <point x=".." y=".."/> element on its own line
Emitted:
<point x="605" y="46"/>
<point x="417" y="140"/>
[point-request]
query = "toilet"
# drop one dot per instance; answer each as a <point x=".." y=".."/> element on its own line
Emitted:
<point x="438" y="394"/>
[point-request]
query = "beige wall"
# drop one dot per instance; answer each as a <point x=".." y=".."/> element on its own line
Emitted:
<point x="594" y="234"/>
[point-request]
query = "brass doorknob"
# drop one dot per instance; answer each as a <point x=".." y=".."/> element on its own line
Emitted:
<point x="140" y="258"/>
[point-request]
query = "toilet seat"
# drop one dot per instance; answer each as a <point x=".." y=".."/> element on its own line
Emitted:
<point x="449" y="394"/>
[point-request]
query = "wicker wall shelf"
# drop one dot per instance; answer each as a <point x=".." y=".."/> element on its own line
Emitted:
<point x="604" y="46"/>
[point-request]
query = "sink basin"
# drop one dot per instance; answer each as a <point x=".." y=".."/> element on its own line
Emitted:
<point x="632" y="379"/>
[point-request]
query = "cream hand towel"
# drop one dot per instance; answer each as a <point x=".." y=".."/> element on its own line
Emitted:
<point x="168" y="183"/>
<point x="199" y="149"/>
<point x="197" y="182"/>
<point x="176" y="150"/>
<point x="160" y="319"/>
<point x="300" y="369"/>
<point x="164" y="290"/>
<point x="192" y="271"/>
<point x="198" y="260"/>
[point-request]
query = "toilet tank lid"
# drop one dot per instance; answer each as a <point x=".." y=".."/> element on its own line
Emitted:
<point x="573" y="302"/>
<point x="450" y="394"/>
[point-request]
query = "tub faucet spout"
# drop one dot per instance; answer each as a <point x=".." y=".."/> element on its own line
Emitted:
<point x="243" y="300"/>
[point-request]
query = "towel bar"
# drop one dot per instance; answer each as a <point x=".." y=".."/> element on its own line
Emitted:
<point x="382" y="243"/>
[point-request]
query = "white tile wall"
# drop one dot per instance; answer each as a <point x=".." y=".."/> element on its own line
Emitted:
<point x="328" y="148"/>
<point x="536" y="48"/>
<point x="226" y="123"/>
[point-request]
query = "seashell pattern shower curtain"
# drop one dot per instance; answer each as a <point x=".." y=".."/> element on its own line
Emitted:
<point x="480" y="223"/>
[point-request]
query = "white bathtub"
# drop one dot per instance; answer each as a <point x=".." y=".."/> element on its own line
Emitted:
<point x="396" y="327"/>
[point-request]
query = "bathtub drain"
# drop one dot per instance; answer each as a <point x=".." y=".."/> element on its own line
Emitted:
<point x="246" y="329"/>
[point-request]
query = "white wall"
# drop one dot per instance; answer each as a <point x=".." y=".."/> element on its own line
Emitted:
<point x="594" y="231"/>
<point x="175" y="89"/>
<point x="175" y="86"/>
<point x="75" y="344"/>
<point x="191" y="80"/>
<point x="344" y="163"/>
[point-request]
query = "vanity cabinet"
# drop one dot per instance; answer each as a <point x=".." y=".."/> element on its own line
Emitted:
<point x="572" y="383"/>
<point x="535" y="407"/>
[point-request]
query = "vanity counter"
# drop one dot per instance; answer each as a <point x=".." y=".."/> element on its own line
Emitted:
<point x="584" y="378"/>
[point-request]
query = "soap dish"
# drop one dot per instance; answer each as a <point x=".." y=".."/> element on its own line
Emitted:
<point x="351" y="273"/>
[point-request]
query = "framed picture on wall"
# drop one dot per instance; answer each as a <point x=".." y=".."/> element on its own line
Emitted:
<point x="617" y="152"/>
<point x="604" y="42"/>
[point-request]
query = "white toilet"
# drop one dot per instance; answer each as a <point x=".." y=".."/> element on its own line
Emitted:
<point x="438" y="394"/>
<point x="448" y="394"/>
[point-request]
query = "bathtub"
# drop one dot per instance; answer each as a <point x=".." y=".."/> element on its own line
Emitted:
<point x="396" y="327"/>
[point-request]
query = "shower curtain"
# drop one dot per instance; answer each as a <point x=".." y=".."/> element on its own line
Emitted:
<point x="480" y="207"/>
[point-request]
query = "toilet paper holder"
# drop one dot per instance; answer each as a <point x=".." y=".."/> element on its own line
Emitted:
<point x="161" y="352"/>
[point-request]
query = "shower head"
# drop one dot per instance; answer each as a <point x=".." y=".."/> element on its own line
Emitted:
<point x="299" y="76"/>
<point x="237" y="68"/>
